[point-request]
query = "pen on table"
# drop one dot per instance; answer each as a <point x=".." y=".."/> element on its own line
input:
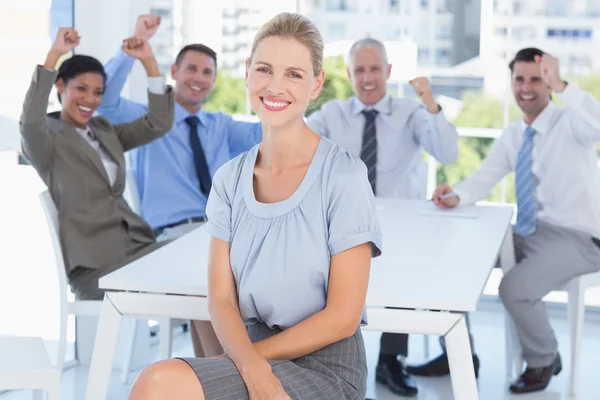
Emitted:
<point x="447" y="196"/>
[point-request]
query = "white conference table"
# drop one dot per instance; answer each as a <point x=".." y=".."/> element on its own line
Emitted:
<point x="435" y="265"/>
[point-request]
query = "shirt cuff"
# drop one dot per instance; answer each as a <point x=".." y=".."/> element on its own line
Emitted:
<point x="156" y="84"/>
<point x="122" y="54"/>
<point x="438" y="116"/>
<point x="572" y="95"/>
<point x="463" y="195"/>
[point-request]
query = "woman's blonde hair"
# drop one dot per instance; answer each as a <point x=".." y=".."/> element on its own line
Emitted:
<point x="293" y="26"/>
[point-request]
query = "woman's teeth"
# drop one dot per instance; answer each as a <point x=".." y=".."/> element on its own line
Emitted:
<point x="275" y="104"/>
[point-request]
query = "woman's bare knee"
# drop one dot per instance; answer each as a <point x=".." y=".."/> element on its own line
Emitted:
<point x="170" y="379"/>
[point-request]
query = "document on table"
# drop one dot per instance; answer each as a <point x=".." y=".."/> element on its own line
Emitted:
<point x="430" y="209"/>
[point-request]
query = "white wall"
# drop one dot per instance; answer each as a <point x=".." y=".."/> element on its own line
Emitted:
<point x="102" y="25"/>
<point x="24" y="42"/>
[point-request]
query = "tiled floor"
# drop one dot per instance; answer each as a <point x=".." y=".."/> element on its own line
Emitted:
<point x="489" y="342"/>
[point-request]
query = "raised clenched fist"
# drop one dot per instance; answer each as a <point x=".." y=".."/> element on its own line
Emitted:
<point x="137" y="47"/>
<point x="66" y="40"/>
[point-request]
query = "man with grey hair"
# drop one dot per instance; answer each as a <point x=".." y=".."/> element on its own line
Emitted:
<point x="389" y="134"/>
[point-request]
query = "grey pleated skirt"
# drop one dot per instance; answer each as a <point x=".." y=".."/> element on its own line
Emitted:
<point x="335" y="372"/>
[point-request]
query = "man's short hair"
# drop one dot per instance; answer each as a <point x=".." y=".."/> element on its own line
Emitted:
<point x="200" y="48"/>
<point x="525" y="55"/>
<point x="366" y="43"/>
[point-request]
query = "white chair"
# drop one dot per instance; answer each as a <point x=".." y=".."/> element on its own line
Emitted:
<point x="576" y="307"/>
<point x="132" y="196"/>
<point x="24" y="364"/>
<point x="131" y="193"/>
<point x="77" y="308"/>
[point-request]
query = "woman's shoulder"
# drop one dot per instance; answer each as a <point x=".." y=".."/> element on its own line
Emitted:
<point x="235" y="166"/>
<point x="229" y="175"/>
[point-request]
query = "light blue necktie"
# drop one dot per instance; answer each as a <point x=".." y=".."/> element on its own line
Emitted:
<point x="525" y="187"/>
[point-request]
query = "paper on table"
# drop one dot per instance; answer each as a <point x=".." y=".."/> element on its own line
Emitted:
<point x="431" y="209"/>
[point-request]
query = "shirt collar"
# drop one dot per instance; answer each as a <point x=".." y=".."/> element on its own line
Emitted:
<point x="384" y="105"/>
<point x="181" y="114"/>
<point x="542" y="123"/>
<point x="86" y="132"/>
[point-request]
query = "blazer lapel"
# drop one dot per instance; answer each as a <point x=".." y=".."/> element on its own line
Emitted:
<point x="77" y="140"/>
<point x="107" y="144"/>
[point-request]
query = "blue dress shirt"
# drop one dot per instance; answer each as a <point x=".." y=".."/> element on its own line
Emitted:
<point x="168" y="185"/>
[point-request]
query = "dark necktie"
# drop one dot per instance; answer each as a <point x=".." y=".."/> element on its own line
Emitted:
<point x="199" y="158"/>
<point x="368" y="152"/>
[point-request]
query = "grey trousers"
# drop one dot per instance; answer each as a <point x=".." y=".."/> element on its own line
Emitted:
<point x="546" y="261"/>
<point x="84" y="281"/>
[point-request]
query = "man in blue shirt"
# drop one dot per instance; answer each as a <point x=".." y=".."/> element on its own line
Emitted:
<point x="174" y="173"/>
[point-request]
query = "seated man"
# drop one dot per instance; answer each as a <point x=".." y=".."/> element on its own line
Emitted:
<point x="389" y="135"/>
<point x="174" y="174"/>
<point x="553" y="153"/>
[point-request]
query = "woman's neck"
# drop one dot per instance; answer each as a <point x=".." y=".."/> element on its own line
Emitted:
<point x="286" y="146"/>
<point x="66" y="118"/>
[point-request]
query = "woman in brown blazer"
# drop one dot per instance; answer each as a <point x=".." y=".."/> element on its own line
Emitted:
<point x="80" y="157"/>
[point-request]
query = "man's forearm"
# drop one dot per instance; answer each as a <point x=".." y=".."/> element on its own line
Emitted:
<point x="432" y="105"/>
<point x="117" y="70"/>
<point x="151" y="67"/>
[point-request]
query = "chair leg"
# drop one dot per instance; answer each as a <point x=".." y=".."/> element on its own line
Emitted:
<point x="426" y="347"/>
<point x="576" y="316"/>
<point x="53" y="391"/>
<point x="166" y="336"/>
<point x="514" y="360"/>
<point x="130" y="331"/>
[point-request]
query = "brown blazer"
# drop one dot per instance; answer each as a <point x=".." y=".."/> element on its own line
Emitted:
<point x="92" y="214"/>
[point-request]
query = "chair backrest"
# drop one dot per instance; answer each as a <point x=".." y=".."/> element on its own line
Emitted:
<point x="51" y="214"/>
<point x="132" y="194"/>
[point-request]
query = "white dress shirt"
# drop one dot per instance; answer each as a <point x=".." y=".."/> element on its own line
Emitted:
<point x="403" y="128"/>
<point x="156" y="85"/>
<point x="564" y="162"/>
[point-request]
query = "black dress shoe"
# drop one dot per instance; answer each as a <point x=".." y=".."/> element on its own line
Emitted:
<point x="438" y="367"/>
<point x="394" y="376"/>
<point x="535" y="379"/>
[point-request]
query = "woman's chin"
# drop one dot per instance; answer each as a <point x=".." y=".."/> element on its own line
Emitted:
<point x="277" y="119"/>
<point x="80" y="119"/>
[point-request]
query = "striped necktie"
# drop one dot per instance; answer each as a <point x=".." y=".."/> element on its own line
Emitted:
<point x="368" y="152"/>
<point x="525" y="187"/>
